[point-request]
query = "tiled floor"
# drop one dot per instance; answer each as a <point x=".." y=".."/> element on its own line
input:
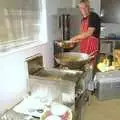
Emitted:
<point x="102" y="110"/>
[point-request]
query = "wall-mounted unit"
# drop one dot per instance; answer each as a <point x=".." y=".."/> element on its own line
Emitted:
<point x="110" y="11"/>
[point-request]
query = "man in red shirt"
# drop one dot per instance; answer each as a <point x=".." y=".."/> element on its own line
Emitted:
<point x="89" y="30"/>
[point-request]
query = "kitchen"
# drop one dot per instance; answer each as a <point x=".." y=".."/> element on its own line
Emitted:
<point x="12" y="62"/>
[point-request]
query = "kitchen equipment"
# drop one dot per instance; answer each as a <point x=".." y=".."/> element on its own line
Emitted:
<point x="61" y="46"/>
<point x="69" y="22"/>
<point x="64" y="26"/>
<point x="53" y="85"/>
<point x="107" y="85"/>
<point x="81" y="89"/>
<point x="69" y="87"/>
<point x="65" y="44"/>
<point x="73" y="60"/>
<point x="56" y="82"/>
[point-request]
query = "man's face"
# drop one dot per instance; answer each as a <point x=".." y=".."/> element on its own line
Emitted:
<point x="84" y="9"/>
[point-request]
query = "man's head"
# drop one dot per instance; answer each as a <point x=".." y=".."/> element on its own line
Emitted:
<point x="84" y="7"/>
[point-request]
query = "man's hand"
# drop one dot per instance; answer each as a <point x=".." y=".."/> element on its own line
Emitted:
<point x="59" y="44"/>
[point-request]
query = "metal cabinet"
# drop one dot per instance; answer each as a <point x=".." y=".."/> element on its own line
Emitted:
<point x="108" y="46"/>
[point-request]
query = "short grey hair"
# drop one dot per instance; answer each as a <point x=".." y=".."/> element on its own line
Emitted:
<point x="87" y="2"/>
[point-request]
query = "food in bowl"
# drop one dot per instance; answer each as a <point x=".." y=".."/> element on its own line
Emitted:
<point x="69" y="58"/>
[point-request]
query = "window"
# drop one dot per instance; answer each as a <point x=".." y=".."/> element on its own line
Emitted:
<point x="20" y="20"/>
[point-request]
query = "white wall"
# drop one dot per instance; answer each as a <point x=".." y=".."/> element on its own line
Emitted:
<point x="12" y="80"/>
<point x="13" y="74"/>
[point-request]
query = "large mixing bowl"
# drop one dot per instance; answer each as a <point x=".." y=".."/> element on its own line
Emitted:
<point x="73" y="60"/>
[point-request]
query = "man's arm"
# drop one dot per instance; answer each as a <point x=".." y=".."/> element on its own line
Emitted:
<point x="83" y="35"/>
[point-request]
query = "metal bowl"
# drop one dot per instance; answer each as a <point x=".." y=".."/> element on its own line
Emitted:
<point x="65" y="44"/>
<point x="81" y="60"/>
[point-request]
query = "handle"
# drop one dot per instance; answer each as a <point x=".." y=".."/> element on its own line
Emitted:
<point x="92" y="57"/>
<point x="92" y="54"/>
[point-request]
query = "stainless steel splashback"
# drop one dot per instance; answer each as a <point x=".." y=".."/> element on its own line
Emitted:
<point x="75" y="25"/>
<point x="71" y="11"/>
<point x="18" y="19"/>
<point x="75" y="19"/>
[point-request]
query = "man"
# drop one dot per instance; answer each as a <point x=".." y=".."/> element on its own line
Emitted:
<point x="89" y="30"/>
